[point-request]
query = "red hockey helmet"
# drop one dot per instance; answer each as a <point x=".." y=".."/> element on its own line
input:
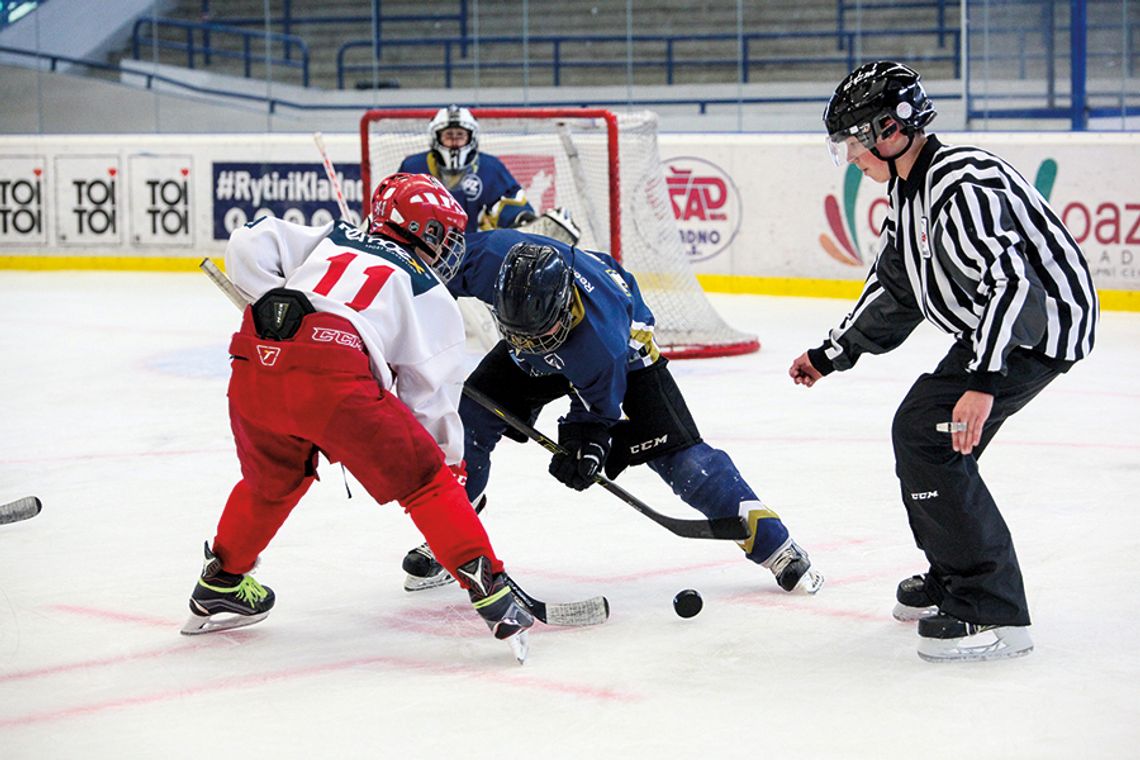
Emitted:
<point x="418" y="210"/>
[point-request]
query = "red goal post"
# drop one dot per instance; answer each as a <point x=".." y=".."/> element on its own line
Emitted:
<point x="606" y="169"/>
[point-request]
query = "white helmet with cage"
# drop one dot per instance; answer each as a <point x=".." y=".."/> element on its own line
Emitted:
<point x="454" y="160"/>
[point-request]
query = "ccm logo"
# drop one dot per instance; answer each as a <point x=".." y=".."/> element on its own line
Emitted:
<point x="340" y="337"/>
<point x="924" y="495"/>
<point x="647" y="445"/>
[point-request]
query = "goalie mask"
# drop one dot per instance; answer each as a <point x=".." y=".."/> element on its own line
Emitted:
<point x="416" y="209"/>
<point x="534" y="297"/>
<point x="454" y="160"/>
<point x="871" y="103"/>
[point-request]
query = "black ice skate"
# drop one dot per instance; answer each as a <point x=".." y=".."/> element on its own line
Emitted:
<point x="945" y="638"/>
<point x="423" y="570"/>
<point x="792" y="568"/>
<point x="914" y="603"/>
<point x="224" y="600"/>
<point x="496" y="604"/>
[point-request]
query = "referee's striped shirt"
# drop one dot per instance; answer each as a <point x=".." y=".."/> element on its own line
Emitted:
<point x="971" y="246"/>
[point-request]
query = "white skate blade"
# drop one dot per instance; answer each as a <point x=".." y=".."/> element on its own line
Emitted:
<point x="809" y="583"/>
<point x="221" y="621"/>
<point x="520" y="646"/>
<point x="416" y="583"/>
<point x="907" y="614"/>
<point x="994" y="644"/>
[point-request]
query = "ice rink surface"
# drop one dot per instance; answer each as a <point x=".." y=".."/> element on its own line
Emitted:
<point x="113" y="404"/>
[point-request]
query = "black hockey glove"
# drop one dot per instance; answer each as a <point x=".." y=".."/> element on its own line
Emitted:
<point x="587" y="444"/>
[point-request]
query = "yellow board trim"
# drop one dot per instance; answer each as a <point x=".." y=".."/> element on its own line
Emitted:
<point x="112" y="263"/>
<point x="1110" y="300"/>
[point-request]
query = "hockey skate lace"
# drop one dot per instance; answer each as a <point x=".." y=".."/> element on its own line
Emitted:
<point x="250" y="591"/>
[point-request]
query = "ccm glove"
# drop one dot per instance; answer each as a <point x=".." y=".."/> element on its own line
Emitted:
<point x="587" y="444"/>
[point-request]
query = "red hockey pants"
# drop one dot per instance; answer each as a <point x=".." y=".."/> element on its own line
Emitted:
<point x="290" y="398"/>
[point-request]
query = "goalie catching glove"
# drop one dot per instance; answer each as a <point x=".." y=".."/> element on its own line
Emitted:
<point x="586" y="446"/>
<point x="555" y="223"/>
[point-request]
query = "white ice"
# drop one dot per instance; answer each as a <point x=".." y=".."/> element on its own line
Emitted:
<point x="113" y="409"/>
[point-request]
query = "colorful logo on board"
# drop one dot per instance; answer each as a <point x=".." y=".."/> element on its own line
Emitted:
<point x="843" y="242"/>
<point x="706" y="205"/>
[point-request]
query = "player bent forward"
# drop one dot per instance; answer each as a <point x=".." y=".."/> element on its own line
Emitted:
<point x="337" y="314"/>
<point x="576" y="326"/>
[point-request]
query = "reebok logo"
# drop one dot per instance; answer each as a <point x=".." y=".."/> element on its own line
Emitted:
<point x="924" y="495"/>
<point x="268" y="355"/>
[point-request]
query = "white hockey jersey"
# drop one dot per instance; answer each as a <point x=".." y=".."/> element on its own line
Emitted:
<point x="410" y="324"/>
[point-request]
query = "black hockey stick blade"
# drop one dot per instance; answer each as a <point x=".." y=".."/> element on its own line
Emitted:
<point x="20" y="509"/>
<point x="727" y="528"/>
<point x="592" y="611"/>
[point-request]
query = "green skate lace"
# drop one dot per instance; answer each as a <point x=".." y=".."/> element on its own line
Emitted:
<point x="249" y="590"/>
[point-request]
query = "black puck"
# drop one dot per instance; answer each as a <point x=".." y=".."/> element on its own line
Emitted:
<point x="687" y="603"/>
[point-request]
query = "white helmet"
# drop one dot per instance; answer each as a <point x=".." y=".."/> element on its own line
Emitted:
<point x="454" y="160"/>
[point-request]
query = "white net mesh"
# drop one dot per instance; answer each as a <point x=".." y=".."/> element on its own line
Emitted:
<point x="564" y="160"/>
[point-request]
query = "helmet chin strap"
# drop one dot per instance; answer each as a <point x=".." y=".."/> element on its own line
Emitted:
<point x="891" y="159"/>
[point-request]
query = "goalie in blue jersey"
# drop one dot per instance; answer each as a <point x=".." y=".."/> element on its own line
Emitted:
<point x="575" y="325"/>
<point x="482" y="184"/>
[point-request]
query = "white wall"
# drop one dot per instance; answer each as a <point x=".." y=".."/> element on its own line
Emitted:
<point x="747" y="205"/>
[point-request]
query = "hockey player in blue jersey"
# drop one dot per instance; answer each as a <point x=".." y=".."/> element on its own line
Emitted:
<point x="481" y="183"/>
<point x="575" y="325"/>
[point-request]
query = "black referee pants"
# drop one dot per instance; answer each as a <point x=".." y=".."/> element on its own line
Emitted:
<point x="974" y="574"/>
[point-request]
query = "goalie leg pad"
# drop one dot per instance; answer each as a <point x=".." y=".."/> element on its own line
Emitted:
<point x="659" y="421"/>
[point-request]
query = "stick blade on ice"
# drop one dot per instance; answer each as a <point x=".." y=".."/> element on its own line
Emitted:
<point x="20" y="509"/>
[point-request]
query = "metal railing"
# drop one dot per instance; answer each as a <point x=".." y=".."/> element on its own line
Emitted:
<point x="201" y="38"/>
<point x="377" y="20"/>
<point x="842" y="6"/>
<point x="668" y="59"/>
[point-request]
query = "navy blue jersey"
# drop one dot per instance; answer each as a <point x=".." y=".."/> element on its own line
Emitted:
<point x="613" y="327"/>
<point x="489" y="194"/>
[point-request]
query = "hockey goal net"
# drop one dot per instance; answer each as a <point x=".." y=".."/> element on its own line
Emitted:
<point x="606" y="169"/>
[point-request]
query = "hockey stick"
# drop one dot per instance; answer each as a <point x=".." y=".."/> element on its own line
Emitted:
<point x="224" y="284"/>
<point x="590" y="611"/>
<point x="319" y="139"/>
<point x="20" y="509"/>
<point x="733" y="528"/>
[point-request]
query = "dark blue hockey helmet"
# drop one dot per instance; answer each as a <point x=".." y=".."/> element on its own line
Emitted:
<point x="872" y="102"/>
<point x="534" y="296"/>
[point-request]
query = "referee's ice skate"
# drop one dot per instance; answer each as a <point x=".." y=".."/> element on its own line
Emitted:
<point x="222" y="600"/>
<point x="945" y="638"/>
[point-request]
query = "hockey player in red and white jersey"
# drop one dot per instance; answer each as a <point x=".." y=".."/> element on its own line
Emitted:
<point x="352" y="347"/>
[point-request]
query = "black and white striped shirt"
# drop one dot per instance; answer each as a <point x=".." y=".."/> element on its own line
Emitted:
<point x="971" y="246"/>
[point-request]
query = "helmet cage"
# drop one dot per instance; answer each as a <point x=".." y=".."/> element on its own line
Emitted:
<point x="454" y="160"/>
<point x="534" y="328"/>
<point x="417" y="210"/>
